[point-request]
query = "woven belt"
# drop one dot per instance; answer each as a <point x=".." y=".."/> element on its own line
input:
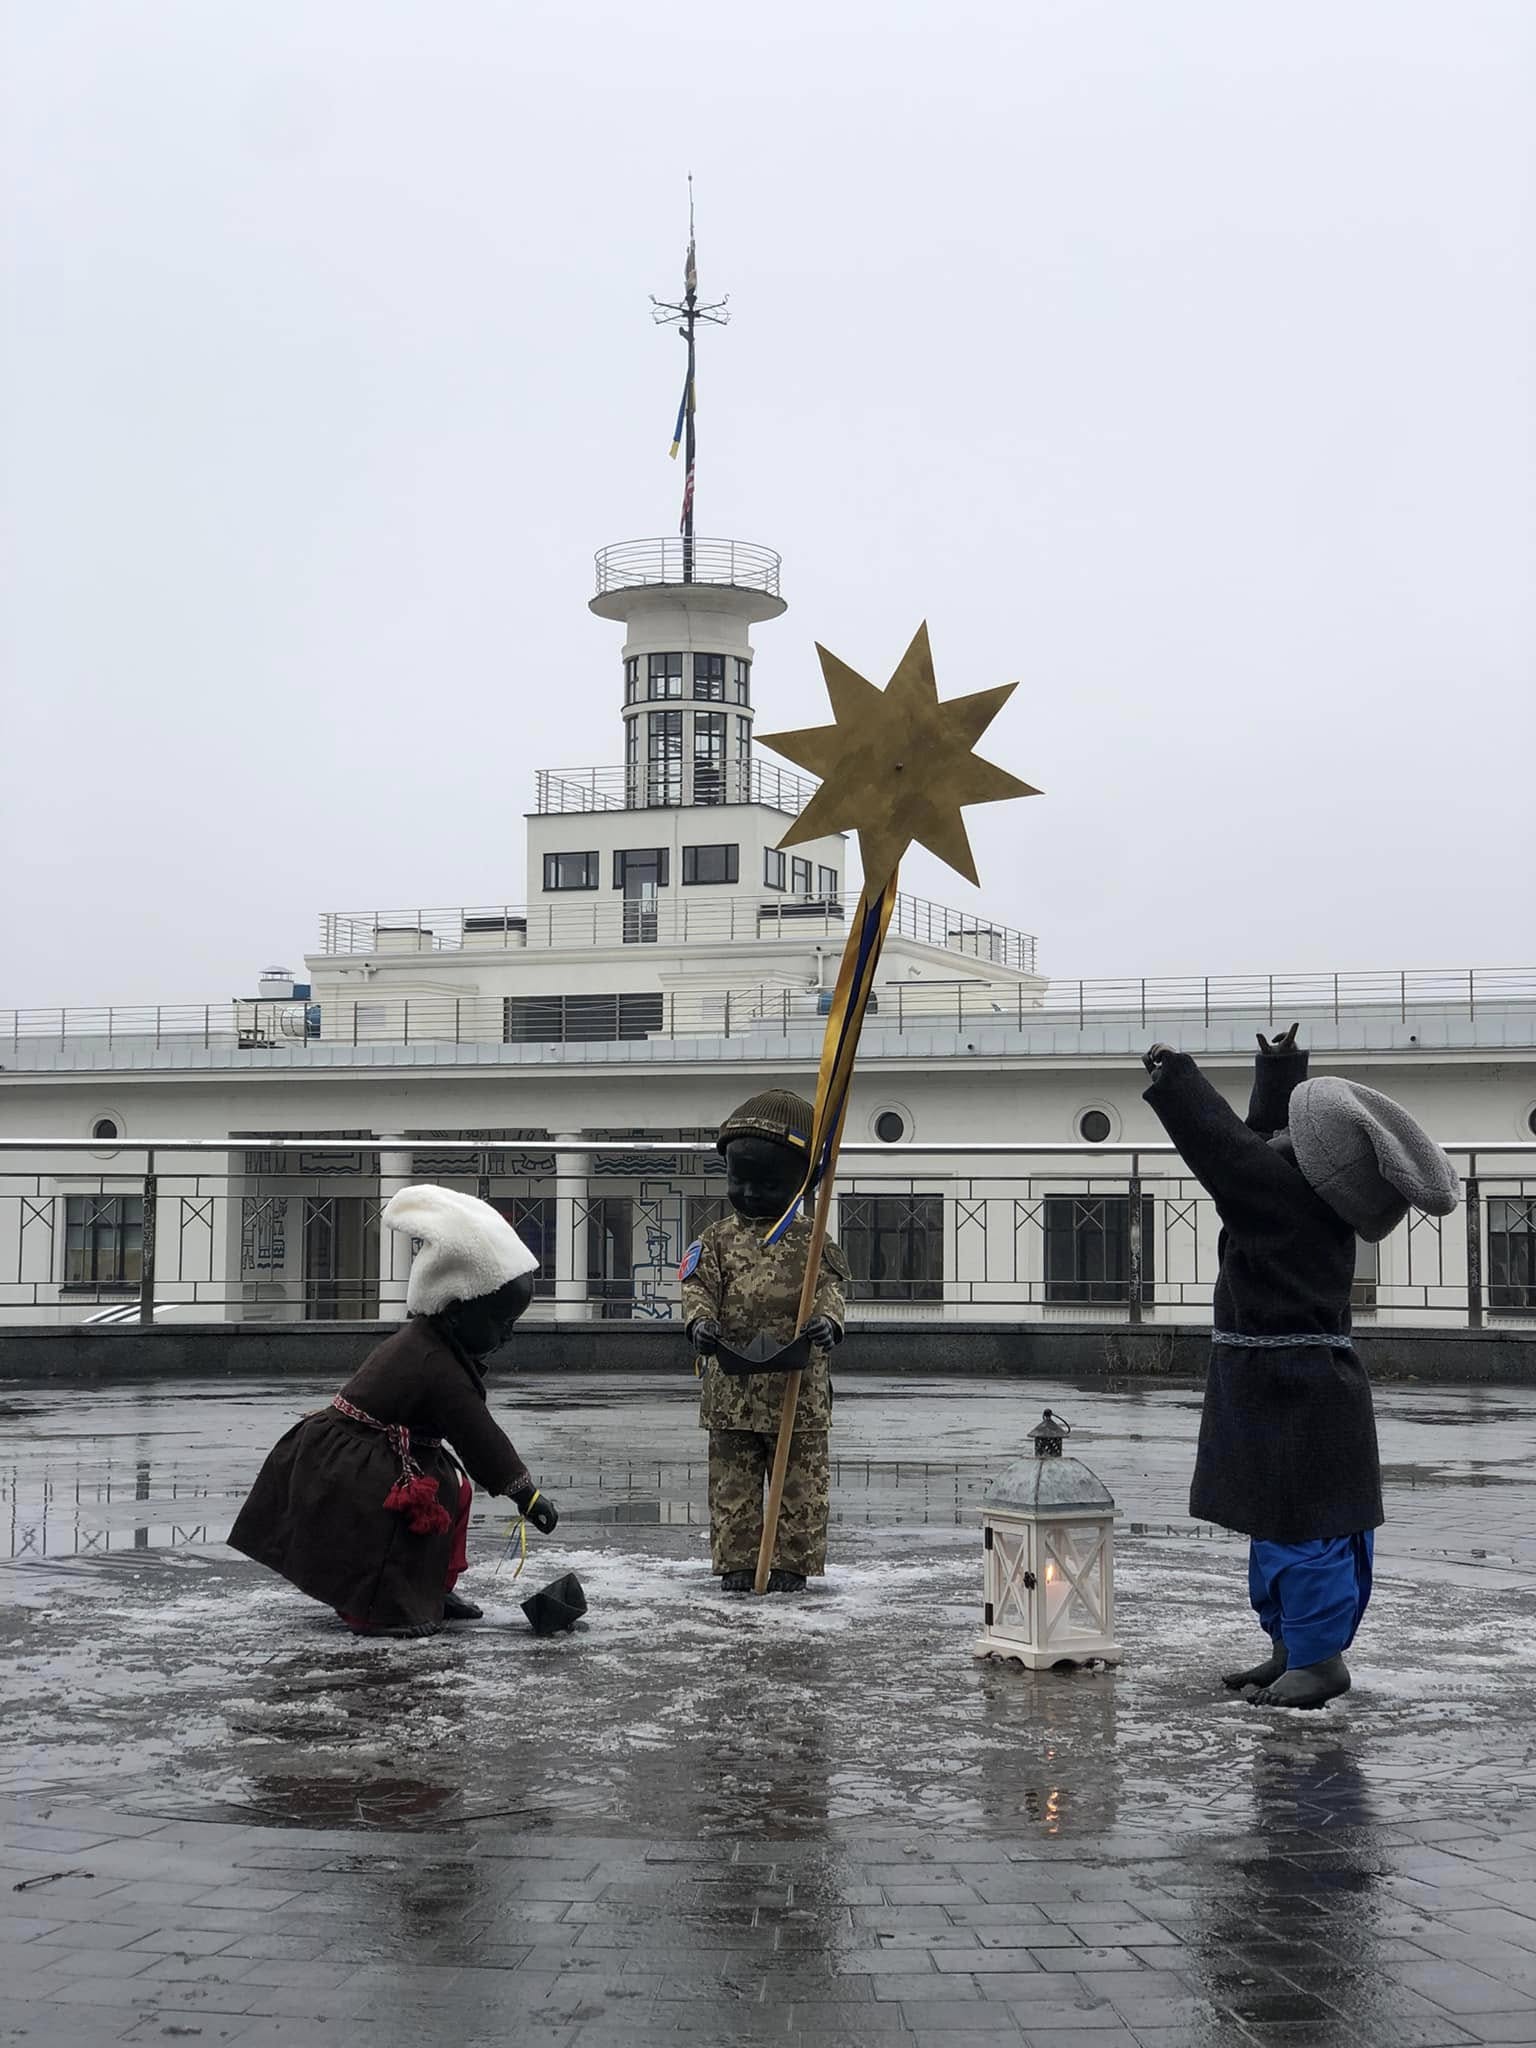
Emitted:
<point x="1334" y="1343"/>
<point x="400" y="1439"/>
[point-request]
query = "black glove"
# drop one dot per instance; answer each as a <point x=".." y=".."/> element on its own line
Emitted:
<point x="1154" y="1056"/>
<point x="536" y="1507"/>
<point x="704" y="1333"/>
<point x="823" y="1332"/>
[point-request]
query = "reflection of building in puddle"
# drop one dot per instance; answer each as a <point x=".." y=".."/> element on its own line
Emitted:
<point x="114" y="1508"/>
<point x="1052" y="1764"/>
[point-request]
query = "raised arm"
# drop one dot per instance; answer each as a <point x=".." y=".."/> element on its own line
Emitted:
<point x="1253" y="1186"/>
<point x="1279" y="1069"/>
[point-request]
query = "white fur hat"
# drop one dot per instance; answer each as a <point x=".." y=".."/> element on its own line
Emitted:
<point x="468" y="1249"/>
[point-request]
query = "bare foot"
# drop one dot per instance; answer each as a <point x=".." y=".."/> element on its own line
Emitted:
<point x="1260" y="1674"/>
<point x="1306" y="1685"/>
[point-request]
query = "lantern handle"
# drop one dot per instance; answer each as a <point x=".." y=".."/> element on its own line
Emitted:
<point x="1058" y="1421"/>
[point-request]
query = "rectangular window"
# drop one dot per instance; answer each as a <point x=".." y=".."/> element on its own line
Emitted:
<point x="894" y="1245"/>
<point x="709" y="757"/>
<point x="710" y="864"/>
<point x="103" y="1240"/>
<point x="826" y="883"/>
<point x="641" y="873"/>
<point x="1088" y="1248"/>
<point x="533" y="1218"/>
<point x="709" y="677"/>
<point x="582" y="1020"/>
<point x="741" y="686"/>
<point x="633" y="795"/>
<point x="800" y="877"/>
<point x="570" y="870"/>
<point x="663" y="676"/>
<point x="664" y="768"/>
<point x="1512" y="1252"/>
<point x="773" y="868"/>
<point x="611" y="1255"/>
<point x="1362" y="1295"/>
<point x="632" y="679"/>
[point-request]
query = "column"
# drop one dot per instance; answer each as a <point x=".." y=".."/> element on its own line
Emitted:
<point x="396" y="1169"/>
<point x="572" y="1173"/>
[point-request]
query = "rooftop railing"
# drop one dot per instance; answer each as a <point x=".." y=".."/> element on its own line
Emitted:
<point x="1360" y="1008"/>
<point x="579" y="920"/>
<point x="736" y="564"/>
<point x="560" y="792"/>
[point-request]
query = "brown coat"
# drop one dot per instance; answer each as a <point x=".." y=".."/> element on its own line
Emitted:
<point x="316" y="1513"/>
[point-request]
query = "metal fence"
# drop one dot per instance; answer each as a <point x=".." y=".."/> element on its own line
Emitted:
<point x="737" y="564"/>
<point x="1356" y="1006"/>
<point x="289" y="1230"/>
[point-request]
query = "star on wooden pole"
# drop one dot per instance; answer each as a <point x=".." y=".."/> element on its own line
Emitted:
<point x="896" y="765"/>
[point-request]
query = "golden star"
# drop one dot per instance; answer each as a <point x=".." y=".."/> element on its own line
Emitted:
<point x="897" y="765"/>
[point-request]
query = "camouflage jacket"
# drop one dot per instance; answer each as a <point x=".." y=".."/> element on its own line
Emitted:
<point x="745" y="1286"/>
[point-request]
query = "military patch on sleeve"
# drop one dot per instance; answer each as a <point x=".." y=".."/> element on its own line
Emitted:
<point x="690" y="1259"/>
<point x="835" y="1260"/>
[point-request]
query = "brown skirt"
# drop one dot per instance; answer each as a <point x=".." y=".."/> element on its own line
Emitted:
<point x="316" y="1515"/>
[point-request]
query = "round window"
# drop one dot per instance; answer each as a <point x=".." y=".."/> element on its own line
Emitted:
<point x="890" y="1128"/>
<point x="105" y="1127"/>
<point x="1530" y="1123"/>
<point x="1094" y="1126"/>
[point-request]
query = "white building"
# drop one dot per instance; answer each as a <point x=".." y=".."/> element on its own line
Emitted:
<point x="661" y="961"/>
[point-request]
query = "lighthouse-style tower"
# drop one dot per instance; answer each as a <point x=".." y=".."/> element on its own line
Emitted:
<point x="681" y="837"/>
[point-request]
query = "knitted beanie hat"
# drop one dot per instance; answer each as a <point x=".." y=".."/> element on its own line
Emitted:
<point x="468" y="1249"/>
<point x="774" y="1114"/>
<point x="1367" y="1158"/>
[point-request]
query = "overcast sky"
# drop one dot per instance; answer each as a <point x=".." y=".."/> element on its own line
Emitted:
<point x="1176" y="359"/>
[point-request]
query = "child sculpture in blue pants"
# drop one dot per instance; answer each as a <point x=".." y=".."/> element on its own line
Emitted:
<point x="1287" y="1450"/>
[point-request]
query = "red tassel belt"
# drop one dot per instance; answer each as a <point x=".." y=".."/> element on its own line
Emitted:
<point x="413" y="1493"/>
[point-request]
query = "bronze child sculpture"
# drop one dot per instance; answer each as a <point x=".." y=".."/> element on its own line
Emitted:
<point x="741" y="1302"/>
<point x="364" y="1505"/>
<point x="1287" y="1451"/>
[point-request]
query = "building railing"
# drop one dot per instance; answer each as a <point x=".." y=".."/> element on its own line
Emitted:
<point x="261" y="1228"/>
<point x="736" y="564"/>
<point x="758" y="1012"/>
<point x="561" y="792"/>
<point x="578" y="920"/>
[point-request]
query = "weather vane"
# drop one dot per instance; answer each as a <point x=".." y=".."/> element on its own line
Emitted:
<point x="685" y="315"/>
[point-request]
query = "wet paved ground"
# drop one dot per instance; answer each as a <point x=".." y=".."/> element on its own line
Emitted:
<point x="225" y="1819"/>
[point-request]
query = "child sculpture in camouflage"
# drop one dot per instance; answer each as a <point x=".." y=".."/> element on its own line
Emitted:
<point x="741" y="1303"/>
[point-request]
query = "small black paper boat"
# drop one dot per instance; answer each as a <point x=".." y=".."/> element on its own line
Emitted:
<point x="558" y="1607"/>
<point x="764" y="1354"/>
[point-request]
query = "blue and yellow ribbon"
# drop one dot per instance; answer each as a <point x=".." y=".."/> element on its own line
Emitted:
<point x="845" y="1021"/>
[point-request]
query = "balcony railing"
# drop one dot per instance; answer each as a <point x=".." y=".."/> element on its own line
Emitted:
<point x="736" y="564"/>
<point x="1361" y="1010"/>
<point x="560" y="792"/>
<point x="579" y="920"/>
<point x="279" y="1228"/>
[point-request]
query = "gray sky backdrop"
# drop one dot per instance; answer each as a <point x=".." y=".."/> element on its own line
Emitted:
<point x="1176" y="359"/>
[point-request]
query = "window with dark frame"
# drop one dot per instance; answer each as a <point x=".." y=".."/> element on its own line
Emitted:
<point x="571" y="870"/>
<point x="665" y="763"/>
<point x="1088" y="1248"/>
<point x="1512" y="1252"/>
<point x="583" y="1019"/>
<point x="773" y="868"/>
<point x="103" y="1241"/>
<point x="826" y="883"/>
<point x="709" y="677"/>
<point x="800" y="877"/>
<point x="632" y="679"/>
<point x="709" y="757"/>
<point x="703" y="864"/>
<point x="533" y="1218"/>
<point x="639" y="867"/>
<point x="663" y="676"/>
<point x="894" y="1245"/>
<point x="741" y="692"/>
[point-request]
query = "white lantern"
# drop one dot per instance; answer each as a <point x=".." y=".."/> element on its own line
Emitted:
<point x="1048" y="1526"/>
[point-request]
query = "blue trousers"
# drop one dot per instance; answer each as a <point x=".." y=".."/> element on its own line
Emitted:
<point x="1312" y="1595"/>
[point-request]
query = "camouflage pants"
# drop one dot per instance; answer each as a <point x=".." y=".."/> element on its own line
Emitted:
<point x="740" y="1461"/>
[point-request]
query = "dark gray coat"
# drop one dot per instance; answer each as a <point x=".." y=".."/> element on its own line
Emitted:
<point x="1287" y="1436"/>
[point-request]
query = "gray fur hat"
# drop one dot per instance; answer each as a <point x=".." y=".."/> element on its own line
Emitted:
<point x="1367" y="1158"/>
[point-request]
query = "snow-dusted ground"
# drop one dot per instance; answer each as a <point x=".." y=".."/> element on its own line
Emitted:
<point x="145" y="1662"/>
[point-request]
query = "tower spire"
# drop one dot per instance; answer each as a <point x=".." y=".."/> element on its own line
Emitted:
<point x="685" y="315"/>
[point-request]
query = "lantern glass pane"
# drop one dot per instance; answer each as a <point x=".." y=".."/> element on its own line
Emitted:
<point x="1073" y="1579"/>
